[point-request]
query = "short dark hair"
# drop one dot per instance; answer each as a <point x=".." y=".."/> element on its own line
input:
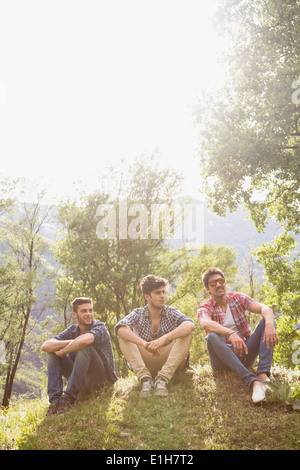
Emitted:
<point x="79" y="301"/>
<point x="151" y="282"/>
<point x="210" y="272"/>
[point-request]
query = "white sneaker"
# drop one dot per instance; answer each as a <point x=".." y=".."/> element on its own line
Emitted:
<point x="258" y="393"/>
<point x="160" y="387"/>
<point x="147" y="388"/>
<point x="266" y="386"/>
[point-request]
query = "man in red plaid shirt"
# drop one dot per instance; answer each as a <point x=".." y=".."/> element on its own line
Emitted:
<point x="230" y="344"/>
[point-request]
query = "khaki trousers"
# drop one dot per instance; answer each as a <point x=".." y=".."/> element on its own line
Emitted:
<point x="144" y="364"/>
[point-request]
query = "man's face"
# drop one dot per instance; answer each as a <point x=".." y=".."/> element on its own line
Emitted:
<point x="216" y="285"/>
<point x="84" y="314"/>
<point x="157" y="297"/>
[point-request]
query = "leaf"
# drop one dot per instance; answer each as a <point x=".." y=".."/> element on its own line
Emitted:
<point x="285" y="393"/>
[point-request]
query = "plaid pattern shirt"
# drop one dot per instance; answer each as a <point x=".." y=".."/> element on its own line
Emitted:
<point x="238" y="304"/>
<point x="140" y="323"/>
<point x="101" y="344"/>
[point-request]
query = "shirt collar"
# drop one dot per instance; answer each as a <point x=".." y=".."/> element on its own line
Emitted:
<point x="77" y="330"/>
<point x="215" y="303"/>
<point x="163" y="313"/>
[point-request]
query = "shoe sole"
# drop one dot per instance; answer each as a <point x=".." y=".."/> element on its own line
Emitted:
<point x="258" y="401"/>
<point x="145" y="394"/>
<point x="161" y="393"/>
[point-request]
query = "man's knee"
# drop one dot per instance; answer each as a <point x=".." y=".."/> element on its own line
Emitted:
<point x="83" y="356"/>
<point x="52" y="358"/>
<point x="214" y="338"/>
<point x="86" y="350"/>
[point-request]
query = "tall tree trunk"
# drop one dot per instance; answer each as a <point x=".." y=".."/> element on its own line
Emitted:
<point x="11" y="372"/>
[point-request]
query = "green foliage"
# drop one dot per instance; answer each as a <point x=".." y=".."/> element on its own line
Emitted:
<point x="282" y="267"/>
<point x="285" y="353"/>
<point x="110" y="269"/>
<point x="22" y="272"/>
<point x="250" y="142"/>
<point x="282" y="391"/>
<point x="251" y="126"/>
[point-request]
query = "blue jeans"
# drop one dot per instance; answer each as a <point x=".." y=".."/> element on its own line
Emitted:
<point x="222" y="355"/>
<point x="84" y="369"/>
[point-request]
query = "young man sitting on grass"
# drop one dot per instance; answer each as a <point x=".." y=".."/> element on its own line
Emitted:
<point x="83" y="354"/>
<point x="155" y="339"/>
<point x="230" y="344"/>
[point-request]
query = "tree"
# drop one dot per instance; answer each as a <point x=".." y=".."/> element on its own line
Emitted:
<point x="282" y="267"/>
<point x="109" y="268"/>
<point x="22" y="273"/>
<point x="250" y="138"/>
<point x="251" y="126"/>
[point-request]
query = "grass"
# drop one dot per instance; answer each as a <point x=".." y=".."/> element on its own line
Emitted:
<point x="202" y="412"/>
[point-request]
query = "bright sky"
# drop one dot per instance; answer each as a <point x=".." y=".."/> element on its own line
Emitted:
<point x="85" y="83"/>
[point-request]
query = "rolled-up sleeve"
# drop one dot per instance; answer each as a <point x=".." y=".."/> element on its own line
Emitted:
<point x="181" y="317"/>
<point x="100" y="332"/>
<point x="245" y="300"/>
<point x="69" y="333"/>
<point x="203" y="313"/>
<point x="129" y="320"/>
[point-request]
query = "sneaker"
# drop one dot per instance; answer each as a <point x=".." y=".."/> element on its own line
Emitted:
<point x="65" y="403"/>
<point x="147" y="388"/>
<point x="258" y="393"/>
<point x="266" y="386"/>
<point x="52" y="410"/>
<point x="160" y="387"/>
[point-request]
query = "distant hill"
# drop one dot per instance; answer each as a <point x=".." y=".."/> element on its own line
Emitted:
<point x="236" y="230"/>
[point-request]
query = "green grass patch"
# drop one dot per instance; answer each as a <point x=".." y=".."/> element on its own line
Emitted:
<point x="202" y="412"/>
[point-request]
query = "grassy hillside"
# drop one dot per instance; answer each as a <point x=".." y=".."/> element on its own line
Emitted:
<point x="202" y="412"/>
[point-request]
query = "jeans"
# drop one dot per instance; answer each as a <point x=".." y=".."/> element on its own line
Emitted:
<point x="222" y="355"/>
<point x="84" y="369"/>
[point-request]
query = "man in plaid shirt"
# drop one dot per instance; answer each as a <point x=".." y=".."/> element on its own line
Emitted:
<point x="156" y="339"/>
<point x="230" y="343"/>
<point x="82" y="353"/>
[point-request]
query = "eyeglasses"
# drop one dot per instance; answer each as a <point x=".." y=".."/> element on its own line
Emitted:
<point x="213" y="283"/>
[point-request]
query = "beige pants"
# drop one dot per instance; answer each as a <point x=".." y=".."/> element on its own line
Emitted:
<point x="144" y="364"/>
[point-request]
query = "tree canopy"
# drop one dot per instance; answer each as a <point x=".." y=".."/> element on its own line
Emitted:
<point x="250" y="129"/>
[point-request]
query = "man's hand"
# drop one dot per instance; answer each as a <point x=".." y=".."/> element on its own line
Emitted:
<point x="270" y="336"/>
<point x="239" y="345"/>
<point x="60" y="353"/>
<point x="54" y="345"/>
<point x="155" y="345"/>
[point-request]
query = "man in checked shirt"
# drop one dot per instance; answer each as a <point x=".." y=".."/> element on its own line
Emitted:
<point x="155" y="339"/>
<point x="230" y="344"/>
<point x="82" y="353"/>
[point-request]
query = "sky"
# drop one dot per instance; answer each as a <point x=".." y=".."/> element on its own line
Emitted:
<point x="84" y="84"/>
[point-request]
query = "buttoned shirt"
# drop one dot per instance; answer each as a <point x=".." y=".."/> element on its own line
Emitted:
<point x="140" y="322"/>
<point x="238" y="304"/>
<point x="101" y="343"/>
